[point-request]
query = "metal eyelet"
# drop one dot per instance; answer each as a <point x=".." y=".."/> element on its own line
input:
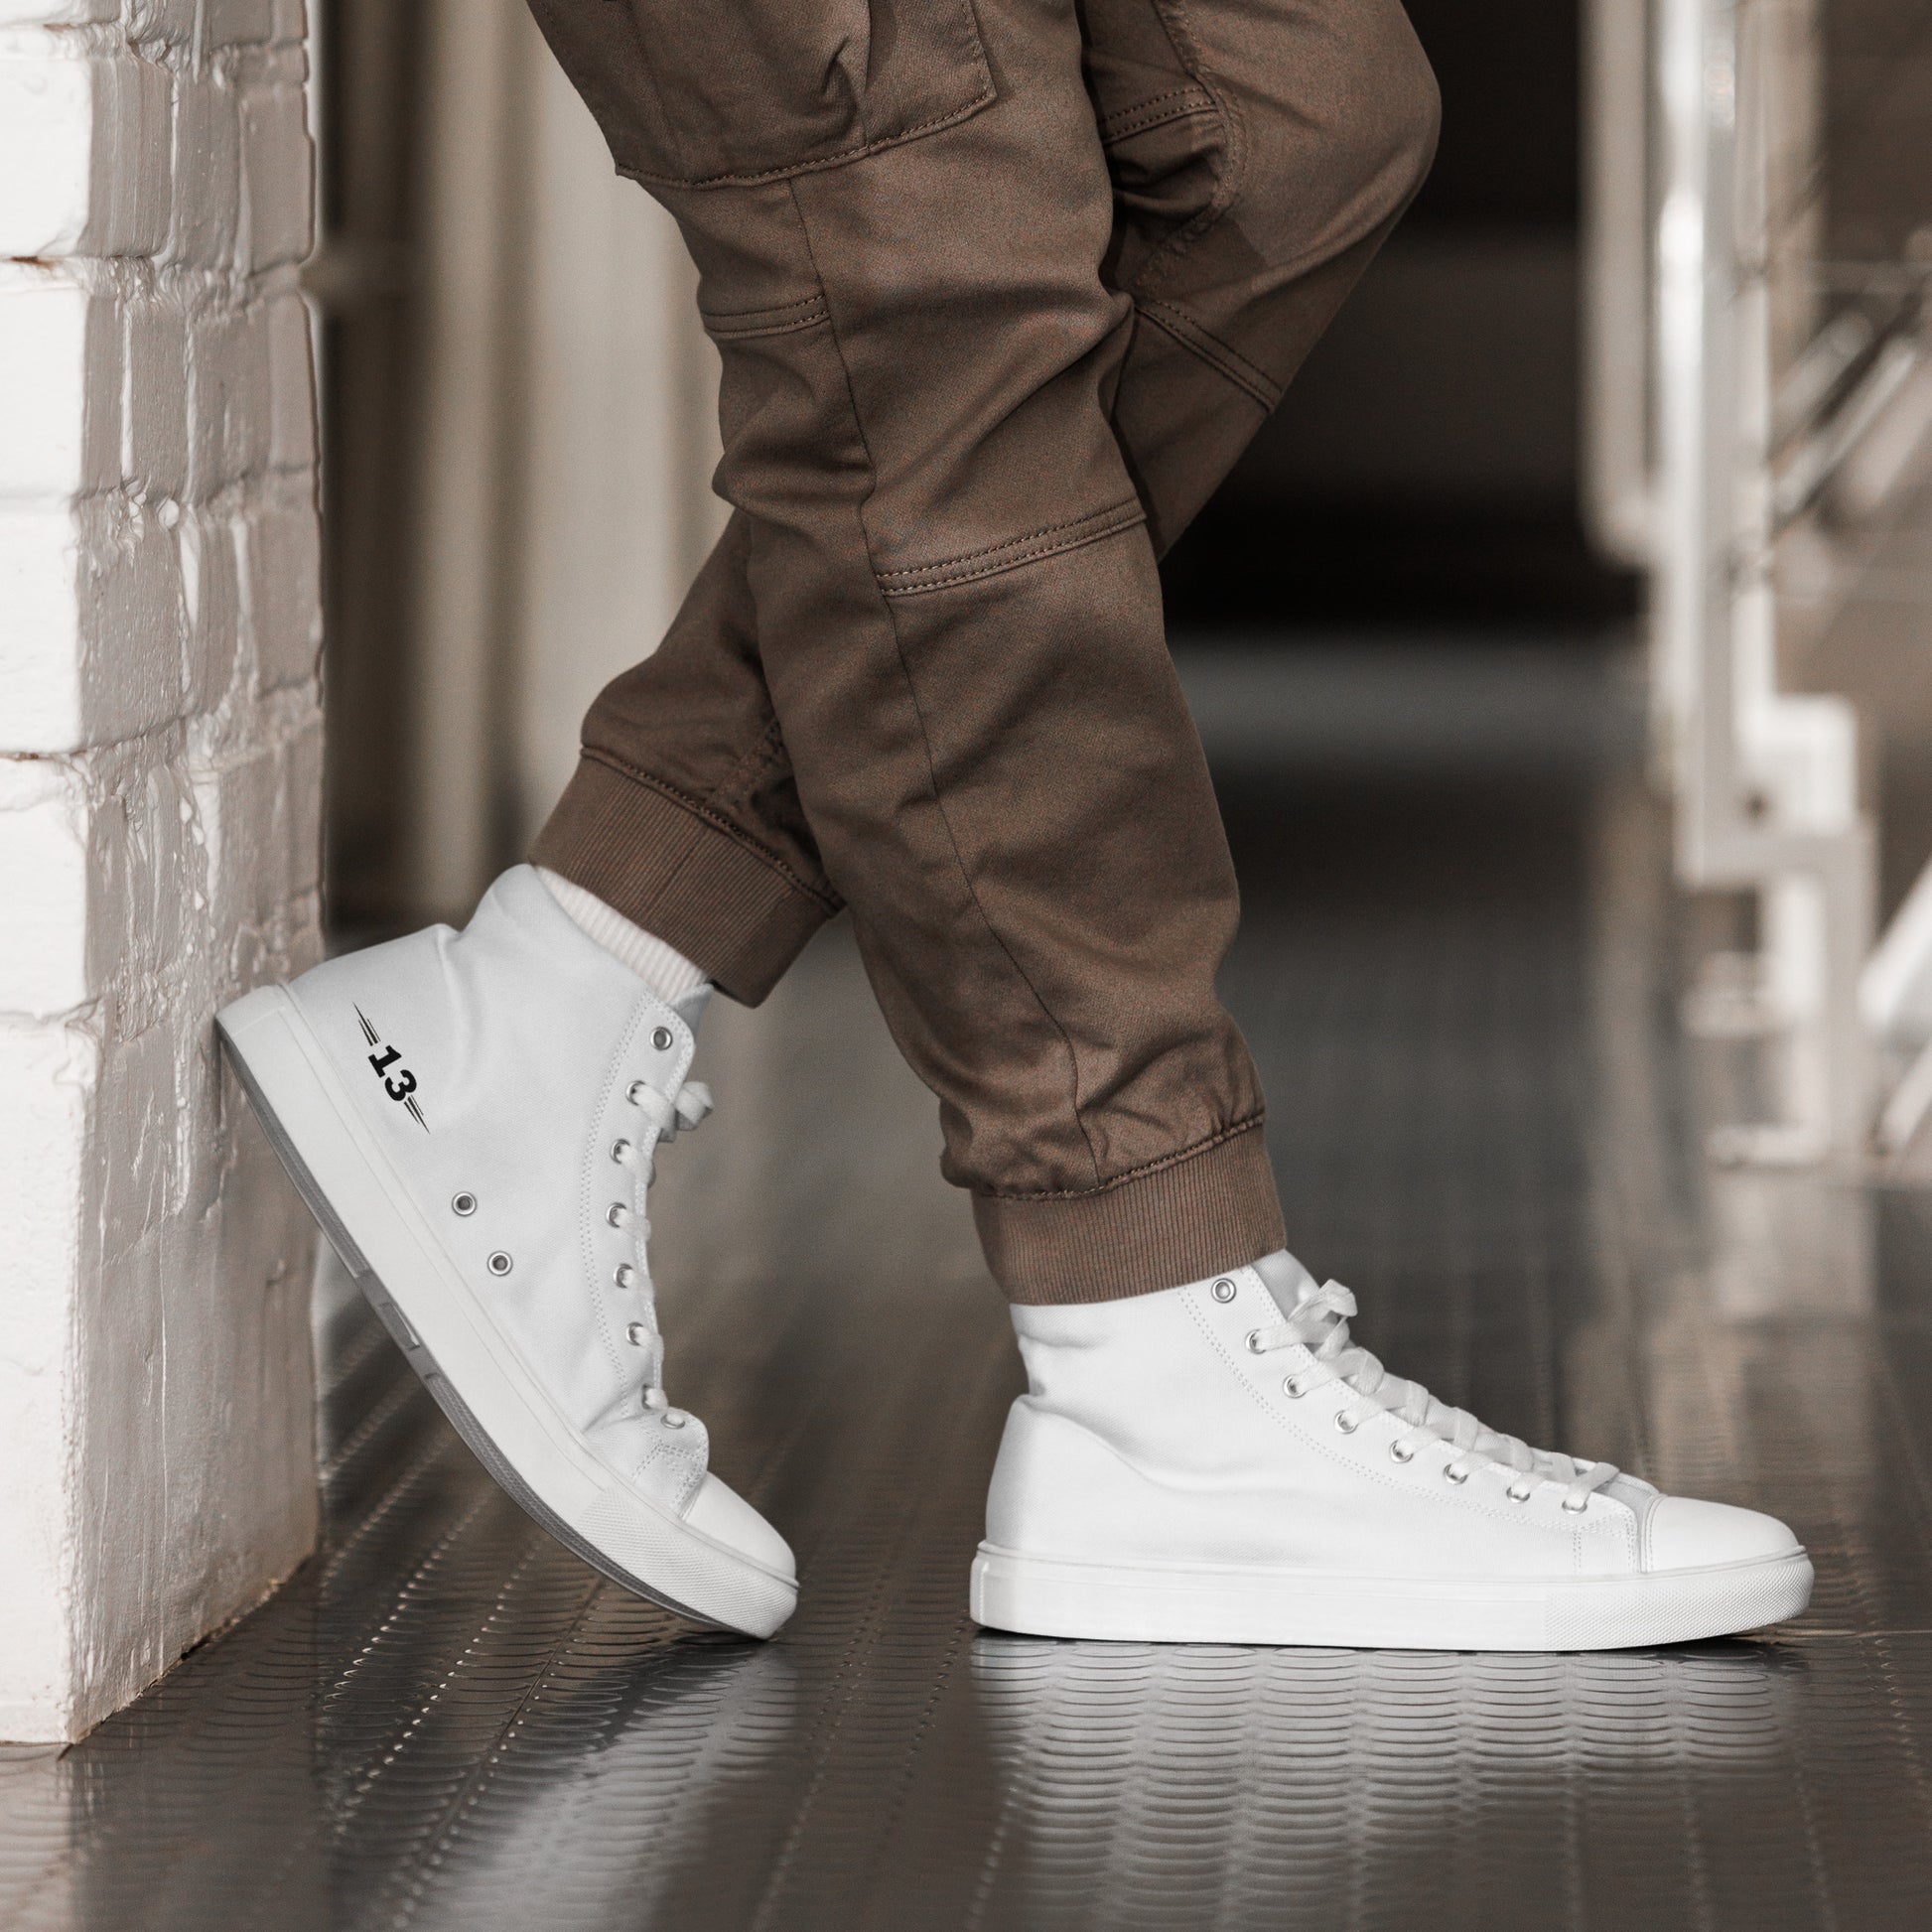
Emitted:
<point x="1347" y="1423"/>
<point x="1224" y="1290"/>
<point x="631" y="1092"/>
<point x="616" y="1214"/>
<point x="463" y="1203"/>
<point x="1253" y="1341"/>
<point x="675" y="1419"/>
<point x="624" y="1275"/>
<point x="1454" y="1474"/>
<point x="636" y="1335"/>
<point x="1402" y="1451"/>
<point x="500" y="1263"/>
<point x="619" y="1151"/>
<point x="1293" y="1389"/>
<point x="662" y="1040"/>
<point x="1575" y="1508"/>
<point x="1517" y="1495"/>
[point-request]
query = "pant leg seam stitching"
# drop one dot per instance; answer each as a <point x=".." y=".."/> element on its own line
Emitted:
<point x="1179" y="327"/>
<point x="1080" y="531"/>
<point x="717" y="822"/>
<point x="918" y="713"/>
<point x="1005" y="543"/>
<point x="1245" y="1125"/>
<point x="764" y="753"/>
<point x="1157" y="111"/>
<point x="792" y="328"/>
<point x="791" y="171"/>
<point x="760" y="318"/>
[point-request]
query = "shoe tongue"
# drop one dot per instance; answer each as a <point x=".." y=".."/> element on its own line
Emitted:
<point x="689" y="1007"/>
<point x="1286" y="1280"/>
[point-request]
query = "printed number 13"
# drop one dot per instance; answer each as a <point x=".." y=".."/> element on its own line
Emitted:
<point x="404" y="1084"/>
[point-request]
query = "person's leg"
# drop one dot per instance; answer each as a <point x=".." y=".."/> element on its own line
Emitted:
<point x="989" y="738"/>
<point x="683" y="814"/>
<point x="1261" y="151"/>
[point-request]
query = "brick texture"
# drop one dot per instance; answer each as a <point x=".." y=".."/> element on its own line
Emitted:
<point x="159" y="774"/>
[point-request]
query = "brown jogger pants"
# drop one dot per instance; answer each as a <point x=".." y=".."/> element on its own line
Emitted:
<point x="1002" y="288"/>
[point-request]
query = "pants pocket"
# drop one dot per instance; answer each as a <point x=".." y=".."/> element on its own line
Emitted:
<point x="701" y="93"/>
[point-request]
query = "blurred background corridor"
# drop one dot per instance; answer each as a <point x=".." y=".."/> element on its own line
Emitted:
<point x="1544" y="1070"/>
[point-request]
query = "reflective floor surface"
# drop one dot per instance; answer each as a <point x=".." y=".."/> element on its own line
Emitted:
<point x="1459" y="968"/>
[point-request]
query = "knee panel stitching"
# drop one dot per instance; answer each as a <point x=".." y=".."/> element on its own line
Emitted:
<point x="1012" y="552"/>
<point x="748" y="324"/>
<point x="1184" y="328"/>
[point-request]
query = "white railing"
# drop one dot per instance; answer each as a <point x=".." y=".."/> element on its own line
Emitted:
<point x="1748" y="428"/>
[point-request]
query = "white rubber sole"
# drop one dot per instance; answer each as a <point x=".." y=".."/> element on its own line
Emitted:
<point x="478" y="1380"/>
<point x="1048" y="1597"/>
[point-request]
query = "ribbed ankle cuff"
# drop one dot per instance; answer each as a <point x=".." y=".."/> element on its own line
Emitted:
<point x="1212" y="1208"/>
<point x="685" y="874"/>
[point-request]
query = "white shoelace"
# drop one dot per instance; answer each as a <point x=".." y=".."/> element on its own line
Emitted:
<point x="666" y="1116"/>
<point x="1320" y="1324"/>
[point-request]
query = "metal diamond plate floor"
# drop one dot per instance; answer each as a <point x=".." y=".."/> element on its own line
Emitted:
<point x="1457" y="969"/>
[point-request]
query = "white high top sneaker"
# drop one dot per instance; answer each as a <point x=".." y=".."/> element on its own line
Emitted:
<point x="471" y="1117"/>
<point x="1219" y="1463"/>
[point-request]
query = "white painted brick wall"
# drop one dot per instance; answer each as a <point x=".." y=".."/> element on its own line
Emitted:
<point x="160" y="777"/>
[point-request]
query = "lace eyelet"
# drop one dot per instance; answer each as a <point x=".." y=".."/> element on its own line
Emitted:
<point x="636" y="1335"/>
<point x="1224" y="1290"/>
<point x="616" y="1214"/>
<point x="1253" y="1341"/>
<point x="631" y="1092"/>
<point x="1402" y="1451"/>
<point x="1456" y="1474"/>
<point x="674" y="1419"/>
<point x="1517" y="1495"/>
<point x="463" y="1203"/>
<point x="1293" y="1389"/>
<point x="1578" y="1507"/>
<point x="499" y="1264"/>
<point x="624" y="1275"/>
<point x="1347" y="1423"/>
<point x="661" y="1039"/>
<point x="619" y="1151"/>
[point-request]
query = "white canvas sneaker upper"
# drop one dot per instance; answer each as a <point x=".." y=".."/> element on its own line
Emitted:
<point x="1230" y="1430"/>
<point x="518" y="1078"/>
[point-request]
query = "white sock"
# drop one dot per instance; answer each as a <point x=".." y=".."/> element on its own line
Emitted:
<point x="662" y="968"/>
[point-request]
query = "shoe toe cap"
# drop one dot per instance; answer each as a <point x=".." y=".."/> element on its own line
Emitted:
<point x="720" y="1513"/>
<point x="1684" y="1534"/>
